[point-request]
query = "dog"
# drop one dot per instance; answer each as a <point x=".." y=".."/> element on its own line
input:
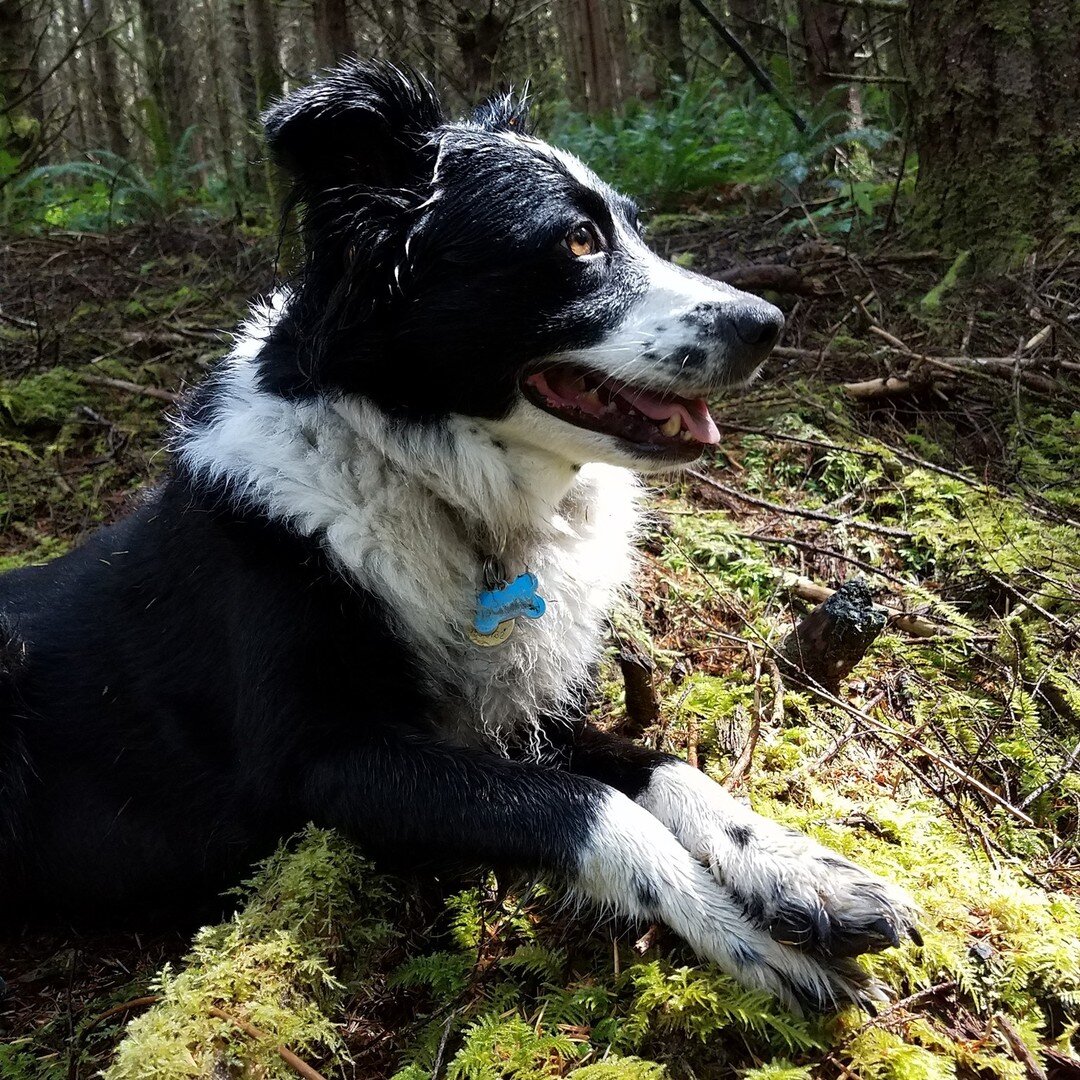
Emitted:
<point x="370" y="590"/>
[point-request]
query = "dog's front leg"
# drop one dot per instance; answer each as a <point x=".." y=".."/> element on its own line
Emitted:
<point x="440" y="804"/>
<point x="804" y="894"/>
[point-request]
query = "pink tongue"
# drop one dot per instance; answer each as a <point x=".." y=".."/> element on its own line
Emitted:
<point x="695" y="413"/>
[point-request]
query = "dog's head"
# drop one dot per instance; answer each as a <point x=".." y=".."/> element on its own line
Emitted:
<point x="468" y="268"/>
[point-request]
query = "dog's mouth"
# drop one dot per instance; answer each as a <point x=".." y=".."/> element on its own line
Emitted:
<point x="652" y="422"/>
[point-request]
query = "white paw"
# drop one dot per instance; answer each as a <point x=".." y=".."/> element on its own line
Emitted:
<point x="801" y="893"/>
<point x="633" y="865"/>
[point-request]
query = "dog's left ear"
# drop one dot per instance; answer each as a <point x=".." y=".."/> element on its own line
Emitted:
<point x="504" y="112"/>
<point x="365" y="123"/>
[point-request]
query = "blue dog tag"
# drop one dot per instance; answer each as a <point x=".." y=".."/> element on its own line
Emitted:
<point x="496" y="609"/>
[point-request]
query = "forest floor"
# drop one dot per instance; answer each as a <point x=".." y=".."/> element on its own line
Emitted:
<point x="949" y="760"/>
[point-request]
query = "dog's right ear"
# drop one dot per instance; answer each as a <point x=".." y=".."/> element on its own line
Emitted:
<point x="366" y="123"/>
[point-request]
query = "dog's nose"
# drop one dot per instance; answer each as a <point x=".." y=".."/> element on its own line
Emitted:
<point x="751" y="327"/>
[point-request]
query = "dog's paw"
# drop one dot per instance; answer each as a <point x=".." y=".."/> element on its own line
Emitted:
<point x="808" y="985"/>
<point x="803" y="894"/>
<point x="631" y="863"/>
<point x="810" y="897"/>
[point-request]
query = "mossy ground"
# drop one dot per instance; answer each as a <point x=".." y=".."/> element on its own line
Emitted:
<point x="948" y="765"/>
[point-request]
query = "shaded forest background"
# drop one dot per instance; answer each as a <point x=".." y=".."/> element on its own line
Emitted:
<point x="903" y="178"/>
<point x="112" y="110"/>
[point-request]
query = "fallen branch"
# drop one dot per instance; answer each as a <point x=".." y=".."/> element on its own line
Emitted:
<point x="916" y="625"/>
<point x="642" y="706"/>
<point x="775" y="276"/>
<point x="133" y="388"/>
<point x="798" y="511"/>
<point x="299" y="1066"/>
<point x="890" y="386"/>
<point x="1017" y="1047"/>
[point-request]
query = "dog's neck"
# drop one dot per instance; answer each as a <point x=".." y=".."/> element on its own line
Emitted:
<point x="410" y="512"/>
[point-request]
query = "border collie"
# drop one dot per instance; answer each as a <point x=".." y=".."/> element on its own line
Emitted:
<point x="370" y="591"/>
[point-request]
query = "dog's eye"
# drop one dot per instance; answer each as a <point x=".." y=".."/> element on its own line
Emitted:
<point x="583" y="240"/>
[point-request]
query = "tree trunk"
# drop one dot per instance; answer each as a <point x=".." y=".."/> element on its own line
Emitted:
<point x="333" y="42"/>
<point x="168" y="67"/>
<point x="479" y="35"/>
<point x="267" y="63"/>
<point x="570" y="37"/>
<point x="106" y="76"/>
<point x="663" y="37"/>
<point x="594" y="54"/>
<point x="828" y="45"/>
<point x="222" y="106"/>
<point x="20" y="130"/>
<point x="251" y="178"/>
<point x="997" y="124"/>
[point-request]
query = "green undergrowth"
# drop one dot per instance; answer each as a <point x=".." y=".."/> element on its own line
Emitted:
<point x="71" y="456"/>
<point x="312" y="912"/>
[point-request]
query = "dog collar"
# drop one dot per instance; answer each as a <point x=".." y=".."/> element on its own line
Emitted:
<point x="502" y="602"/>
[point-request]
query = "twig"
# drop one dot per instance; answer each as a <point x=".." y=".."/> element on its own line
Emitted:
<point x="1060" y="775"/>
<point x="22" y="324"/>
<point x="797" y="511"/>
<point x="300" y="1067"/>
<point x="126" y="1006"/>
<point x="896" y="6"/>
<point x="133" y="388"/>
<point x="829" y="553"/>
<point x="1017" y="1047"/>
<point x="746" y="756"/>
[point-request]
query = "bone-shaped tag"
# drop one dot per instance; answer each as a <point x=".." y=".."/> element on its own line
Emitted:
<point x="496" y="606"/>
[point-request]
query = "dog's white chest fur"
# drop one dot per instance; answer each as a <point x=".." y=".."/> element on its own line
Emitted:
<point x="410" y="513"/>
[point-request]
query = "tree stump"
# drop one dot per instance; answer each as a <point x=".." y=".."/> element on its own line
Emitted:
<point x="834" y="637"/>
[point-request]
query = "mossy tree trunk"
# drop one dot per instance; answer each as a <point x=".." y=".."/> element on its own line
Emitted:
<point x="20" y="130"/>
<point x="997" y="97"/>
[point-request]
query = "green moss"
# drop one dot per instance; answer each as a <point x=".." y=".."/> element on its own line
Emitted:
<point x="47" y="398"/>
<point x="311" y="904"/>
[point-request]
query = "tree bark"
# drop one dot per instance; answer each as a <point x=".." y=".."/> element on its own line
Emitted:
<point x="663" y="38"/>
<point x="266" y="62"/>
<point x="479" y="35"/>
<point x="825" y="32"/>
<point x="251" y="178"/>
<point x="997" y="124"/>
<point x="20" y="129"/>
<point x="106" y="76"/>
<point x="834" y="637"/>
<point x="168" y="67"/>
<point x="333" y="41"/>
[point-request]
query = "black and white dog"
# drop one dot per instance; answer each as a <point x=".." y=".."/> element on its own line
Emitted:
<point x="370" y="591"/>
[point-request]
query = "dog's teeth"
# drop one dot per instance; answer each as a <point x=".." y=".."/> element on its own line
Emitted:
<point x="671" y="426"/>
<point x="686" y="436"/>
<point x="592" y="397"/>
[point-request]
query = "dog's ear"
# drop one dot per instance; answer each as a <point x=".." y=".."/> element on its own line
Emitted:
<point x="504" y="112"/>
<point x="365" y="123"/>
